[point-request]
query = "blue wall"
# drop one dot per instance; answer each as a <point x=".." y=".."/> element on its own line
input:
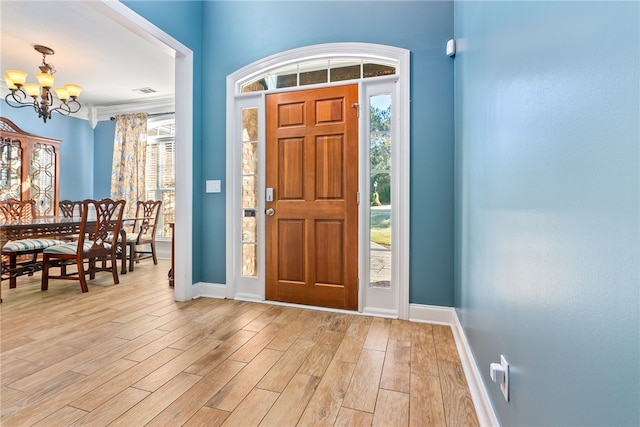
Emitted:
<point x="76" y="148"/>
<point x="235" y="34"/>
<point x="548" y="210"/>
<point x="103" y="135"/>
<point x="238" y="33"/>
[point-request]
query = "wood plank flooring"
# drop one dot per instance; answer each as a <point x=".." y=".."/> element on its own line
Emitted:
<point x="129" y="355"/>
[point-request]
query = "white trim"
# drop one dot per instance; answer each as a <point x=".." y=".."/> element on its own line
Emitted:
<point x="163" y="248"/>
<point x="402" y="176"/>
<point x="377" y="312"/>
<point x="249" y="297"/>
<point x="120" y="13"/>
<point x="448" y="316"/>
<point x="320" y="51"/>
<point x="231" y="191"/>
<point x="477" y="388"/>
<point x="432" y="314"/>
<point x="150" y="105"/>
<point x="208" y="290"/>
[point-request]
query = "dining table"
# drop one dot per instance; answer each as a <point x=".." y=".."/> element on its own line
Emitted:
<point x="49" y="227"/>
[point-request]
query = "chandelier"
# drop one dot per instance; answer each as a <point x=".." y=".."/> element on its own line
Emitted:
<point x="41" y="92"/>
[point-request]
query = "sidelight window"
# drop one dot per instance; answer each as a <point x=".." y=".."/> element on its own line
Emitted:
<point x="249" y="191"/>
<point x="380" y="187"/>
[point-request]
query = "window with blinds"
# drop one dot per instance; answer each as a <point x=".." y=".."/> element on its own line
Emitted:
<point x="160" y="178"/>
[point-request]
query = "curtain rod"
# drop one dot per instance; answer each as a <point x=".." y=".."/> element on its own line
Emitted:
<point x="151" y="115"/>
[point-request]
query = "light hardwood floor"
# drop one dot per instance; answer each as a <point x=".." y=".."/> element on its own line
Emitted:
<point x="129" y="355"/>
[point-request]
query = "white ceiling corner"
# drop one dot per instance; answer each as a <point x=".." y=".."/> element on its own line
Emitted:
<point x="92" y="50"/>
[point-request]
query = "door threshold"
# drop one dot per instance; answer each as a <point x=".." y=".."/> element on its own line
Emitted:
<point x="308" y="307"/>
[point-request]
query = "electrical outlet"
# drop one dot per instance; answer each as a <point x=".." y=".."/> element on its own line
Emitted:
<point x="504" y="386"/>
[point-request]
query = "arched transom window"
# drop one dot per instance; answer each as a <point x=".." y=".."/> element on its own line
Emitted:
<point x="313" y="72"/>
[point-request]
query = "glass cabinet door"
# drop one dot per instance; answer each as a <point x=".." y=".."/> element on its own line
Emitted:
<point x="43" y="178"/>
<point x="10" y="169"/>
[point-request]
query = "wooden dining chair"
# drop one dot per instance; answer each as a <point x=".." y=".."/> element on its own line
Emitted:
<point x="143" y="232"/>
<point x="20" y="257"/>
<point x="17" y="210"/>
<point x="69" y="209"/>
<point x="99" y="220"/>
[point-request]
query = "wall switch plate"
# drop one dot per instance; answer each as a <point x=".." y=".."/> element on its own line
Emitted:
<point x="504" y="387"/>
<point x="213" y="186"/>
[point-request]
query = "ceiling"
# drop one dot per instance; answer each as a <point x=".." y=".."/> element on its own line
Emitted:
<point x="91" y="50"/>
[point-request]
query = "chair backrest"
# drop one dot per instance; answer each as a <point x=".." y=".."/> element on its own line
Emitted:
<point x="70" y="209"/>
<point x="14" y="210"/>
<point x="150" y="211"/>
<point x="107" y="214"/>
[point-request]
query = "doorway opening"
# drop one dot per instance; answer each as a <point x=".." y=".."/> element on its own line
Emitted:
<point x="183" y="134"/>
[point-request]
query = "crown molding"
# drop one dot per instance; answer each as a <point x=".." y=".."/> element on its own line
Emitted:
<point x="163" y="104"/>
<point x="96" y="113"/>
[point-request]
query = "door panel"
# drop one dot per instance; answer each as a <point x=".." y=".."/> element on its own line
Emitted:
<point x="329" y="252"/>
<point x="291" y="236"/>
<point x="291" y="160"/>
<point x="329" y="167"/>
<point x="311" y="163"/>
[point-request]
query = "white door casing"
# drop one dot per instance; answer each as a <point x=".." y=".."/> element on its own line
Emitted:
<point x="392" y="302"/>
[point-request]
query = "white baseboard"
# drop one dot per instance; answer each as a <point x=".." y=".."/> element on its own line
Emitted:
<point x="208" y="290"/>
<point x="484" y="409"/>
<point x="432" y="314"/>
<point x="163" y="249"/>
<point x="448" y="316"/>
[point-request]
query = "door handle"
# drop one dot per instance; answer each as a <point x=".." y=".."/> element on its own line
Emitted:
<point x="270" y="212"/>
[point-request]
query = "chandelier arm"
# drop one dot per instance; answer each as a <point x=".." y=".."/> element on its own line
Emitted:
<point x="74" y="106"/>
<point x="62" y="109"/>
<point x="11" y="97"/>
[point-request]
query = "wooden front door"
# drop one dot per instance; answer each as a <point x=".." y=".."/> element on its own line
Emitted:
<point x="312" y="221"/>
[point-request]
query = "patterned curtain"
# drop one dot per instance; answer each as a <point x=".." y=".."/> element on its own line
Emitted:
<point x="129" y="157"/>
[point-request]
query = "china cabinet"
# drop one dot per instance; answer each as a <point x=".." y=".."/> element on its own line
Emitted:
<point x="29" y="167"/>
